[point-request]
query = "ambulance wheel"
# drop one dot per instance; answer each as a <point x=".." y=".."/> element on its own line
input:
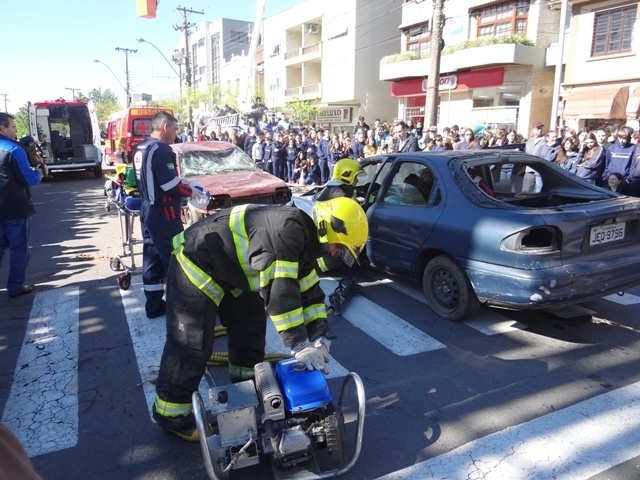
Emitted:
<point x="124" y="281"/>
<point x="115" y="264"/>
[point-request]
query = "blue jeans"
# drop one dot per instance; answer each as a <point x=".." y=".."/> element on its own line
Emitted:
<point x="14" y="235"/>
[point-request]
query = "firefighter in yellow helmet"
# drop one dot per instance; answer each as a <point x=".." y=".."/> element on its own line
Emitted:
<point x="343" y="180"/>
<point x="234" y="264"/>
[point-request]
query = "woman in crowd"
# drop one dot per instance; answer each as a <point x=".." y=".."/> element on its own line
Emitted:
<point x="567" y="155"/>
<point x="591" y="160"/>
<point x="468" y="142"/>
<point x="616" y="183"/>
<point x="336" y="152"/>
<point x="370" y="149"/>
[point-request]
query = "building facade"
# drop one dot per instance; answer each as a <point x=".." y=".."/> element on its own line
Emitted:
<point x="493" y="70"/>
<point x="328" y="53"/>
<point x="601" y="82"/>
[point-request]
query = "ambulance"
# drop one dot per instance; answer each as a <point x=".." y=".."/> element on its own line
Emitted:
<point x="126" y="129"/>
<point x="68" y="133"/>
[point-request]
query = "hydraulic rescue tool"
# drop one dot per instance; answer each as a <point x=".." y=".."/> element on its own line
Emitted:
<point x="342" y="295"/>
<point x="287" y="414"/>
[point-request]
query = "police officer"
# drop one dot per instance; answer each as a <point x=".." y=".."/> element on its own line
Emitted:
<point x="161" y="190"/>
<point x="219" y="267"/>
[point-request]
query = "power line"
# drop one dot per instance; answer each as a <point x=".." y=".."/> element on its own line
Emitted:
<point x="73" y="91"/>
<point x="126" y="67"/>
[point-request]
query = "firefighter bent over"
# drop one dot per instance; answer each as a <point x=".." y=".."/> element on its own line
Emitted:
<point x="161" y="190"/>
<point x="219" y="267"/>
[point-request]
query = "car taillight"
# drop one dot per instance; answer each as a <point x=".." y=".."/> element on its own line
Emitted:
<point x="538" y="247"/>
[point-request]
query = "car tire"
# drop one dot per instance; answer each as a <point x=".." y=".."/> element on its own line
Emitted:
<point x="97" y="171"/>
<point x="448" y="289"/>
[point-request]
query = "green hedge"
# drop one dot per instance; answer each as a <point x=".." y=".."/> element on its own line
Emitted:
<point x="467" y="44"/>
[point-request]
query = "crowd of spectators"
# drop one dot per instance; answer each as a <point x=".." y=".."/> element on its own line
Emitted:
<point x="305" y="154"/>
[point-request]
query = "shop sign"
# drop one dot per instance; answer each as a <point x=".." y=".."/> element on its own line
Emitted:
<point x="448" y="82"/>
<point x="334" y="115"/>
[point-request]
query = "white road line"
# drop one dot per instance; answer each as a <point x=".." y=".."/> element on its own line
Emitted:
<point x="574" y="443"/>
<point x="493" y="323"/>
<point x="626" y="299"/>
<point x="383" y="326"/>
<point x="42" y="408"/>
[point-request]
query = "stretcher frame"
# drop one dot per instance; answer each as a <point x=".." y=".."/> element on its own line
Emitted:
<point x="126" y="218"/>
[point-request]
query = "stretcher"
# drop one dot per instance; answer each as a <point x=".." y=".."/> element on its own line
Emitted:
<point x="125" y="200"/>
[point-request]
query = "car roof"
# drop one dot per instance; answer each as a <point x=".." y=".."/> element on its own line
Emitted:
<point x="196" y="146"/>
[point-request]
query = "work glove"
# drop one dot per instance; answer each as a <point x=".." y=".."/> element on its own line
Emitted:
<point x="313" y="358"/>
<point x="323" y="344"/>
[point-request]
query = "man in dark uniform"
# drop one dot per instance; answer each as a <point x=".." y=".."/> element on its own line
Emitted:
<point x="161" y="190"/>
<point x="225" y="265"/>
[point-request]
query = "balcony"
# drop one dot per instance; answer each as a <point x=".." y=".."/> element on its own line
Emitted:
<point x="308" y="92"/>
<point x="303" y="54"/>
<point x="484" y="56"/>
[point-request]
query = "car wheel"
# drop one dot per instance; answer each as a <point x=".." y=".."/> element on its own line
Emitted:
<point x="97" y="171"/>
<point x="448" y="290"/>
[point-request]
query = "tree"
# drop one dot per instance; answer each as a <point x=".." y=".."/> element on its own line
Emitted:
<point x="22" y="121"/>
<point x="302" y="111"/>
<point x="105" y="102"/>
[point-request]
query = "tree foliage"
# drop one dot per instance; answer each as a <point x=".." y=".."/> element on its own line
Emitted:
<point x="302" y="111"/>
<point x="22" y="121"/>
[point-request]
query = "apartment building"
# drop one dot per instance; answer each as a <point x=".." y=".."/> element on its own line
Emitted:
<point x="212" y="45"/>
<point x="328" y="53"/>
<point x="481" y="80"/>
<point x="602" y="74"/>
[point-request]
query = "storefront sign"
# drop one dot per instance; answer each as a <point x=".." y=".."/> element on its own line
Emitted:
<point x="334" y="115"/>
<point x="448" y="82"/>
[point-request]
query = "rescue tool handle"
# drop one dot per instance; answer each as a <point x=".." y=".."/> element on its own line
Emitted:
<point x="201" y="426"/>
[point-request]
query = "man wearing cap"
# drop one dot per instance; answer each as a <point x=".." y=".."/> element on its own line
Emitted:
<point x="536" y="141"/>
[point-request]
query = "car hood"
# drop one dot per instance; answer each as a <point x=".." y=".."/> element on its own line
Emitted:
<point x="239" y="184"/>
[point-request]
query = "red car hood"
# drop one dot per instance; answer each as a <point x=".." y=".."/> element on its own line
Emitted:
<point x="239" y="184"/>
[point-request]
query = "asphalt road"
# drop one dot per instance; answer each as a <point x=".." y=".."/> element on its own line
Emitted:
<point x="504" y="395"/>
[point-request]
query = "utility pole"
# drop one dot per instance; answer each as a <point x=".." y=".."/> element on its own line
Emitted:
<point x="553" y="123"/>
<point x="5" y="101"/>
<point x="126" y="69"/>
<point x="186" y="29"/>
<point x="73" y="91"/>
<point x="433" y="81"/>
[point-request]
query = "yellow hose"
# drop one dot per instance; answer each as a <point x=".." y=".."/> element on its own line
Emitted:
<point x="221" y="359"/>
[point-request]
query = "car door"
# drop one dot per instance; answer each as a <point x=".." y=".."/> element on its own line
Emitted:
<point x="403" y="214"/>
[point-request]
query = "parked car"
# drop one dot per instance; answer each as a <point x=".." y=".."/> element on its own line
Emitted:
<point x="496" y="227"/>
<point x="229" y="175"/>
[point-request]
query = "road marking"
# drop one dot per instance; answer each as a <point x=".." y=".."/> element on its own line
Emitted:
<point x="576" y="442"/>
<point x="383" y="326"/>
<point x="626" y="299"/>
<point x="42" y="408"/>
<point x="492" y="323"/>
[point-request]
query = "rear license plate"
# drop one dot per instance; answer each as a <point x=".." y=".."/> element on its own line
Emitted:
<point x="607" y="233"/>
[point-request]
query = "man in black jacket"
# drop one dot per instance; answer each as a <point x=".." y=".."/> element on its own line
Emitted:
<point x="16" y="207"/>
<point x="405" y="141"/>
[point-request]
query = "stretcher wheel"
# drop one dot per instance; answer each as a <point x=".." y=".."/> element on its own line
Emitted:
<point x="114" y="264"/>
<point x="124" y="281"/>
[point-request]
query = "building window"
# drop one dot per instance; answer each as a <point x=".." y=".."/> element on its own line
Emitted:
<point x="201" y="43"/>
<point x="239" y="37"/>
<point x="215" y="59"/>
<point x="613" y="30"/>
<point x="503" y="19"/>
<point x="276" y="51"/>
<point x="194" y="60"/>
<point x="202" y="70"/>
<point x="418" y="39"/>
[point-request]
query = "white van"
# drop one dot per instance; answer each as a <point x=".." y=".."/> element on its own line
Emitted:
<point x="68" y="133"/>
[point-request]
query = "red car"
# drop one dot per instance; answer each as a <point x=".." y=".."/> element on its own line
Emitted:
<point x="229" y="175"/>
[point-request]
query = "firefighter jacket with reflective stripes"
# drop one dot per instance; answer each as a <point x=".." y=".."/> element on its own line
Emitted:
<point x="267" y="248"/>
<point x="157" y="177"/>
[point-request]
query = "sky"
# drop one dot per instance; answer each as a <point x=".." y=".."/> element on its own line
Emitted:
<point x="50" y="46"/>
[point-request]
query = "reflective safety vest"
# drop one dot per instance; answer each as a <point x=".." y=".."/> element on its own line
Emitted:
<point x="267" y="248"/>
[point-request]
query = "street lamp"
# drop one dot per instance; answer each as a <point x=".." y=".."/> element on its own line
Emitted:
<point x="142" y="40"/>
<point x="114" y="76"/>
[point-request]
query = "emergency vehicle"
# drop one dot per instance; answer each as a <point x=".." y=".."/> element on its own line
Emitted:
<point x="68" y="133"/>
<point x="126" y="129"/>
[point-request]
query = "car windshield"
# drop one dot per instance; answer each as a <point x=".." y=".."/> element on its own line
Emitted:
<point x="206" y="162"/>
